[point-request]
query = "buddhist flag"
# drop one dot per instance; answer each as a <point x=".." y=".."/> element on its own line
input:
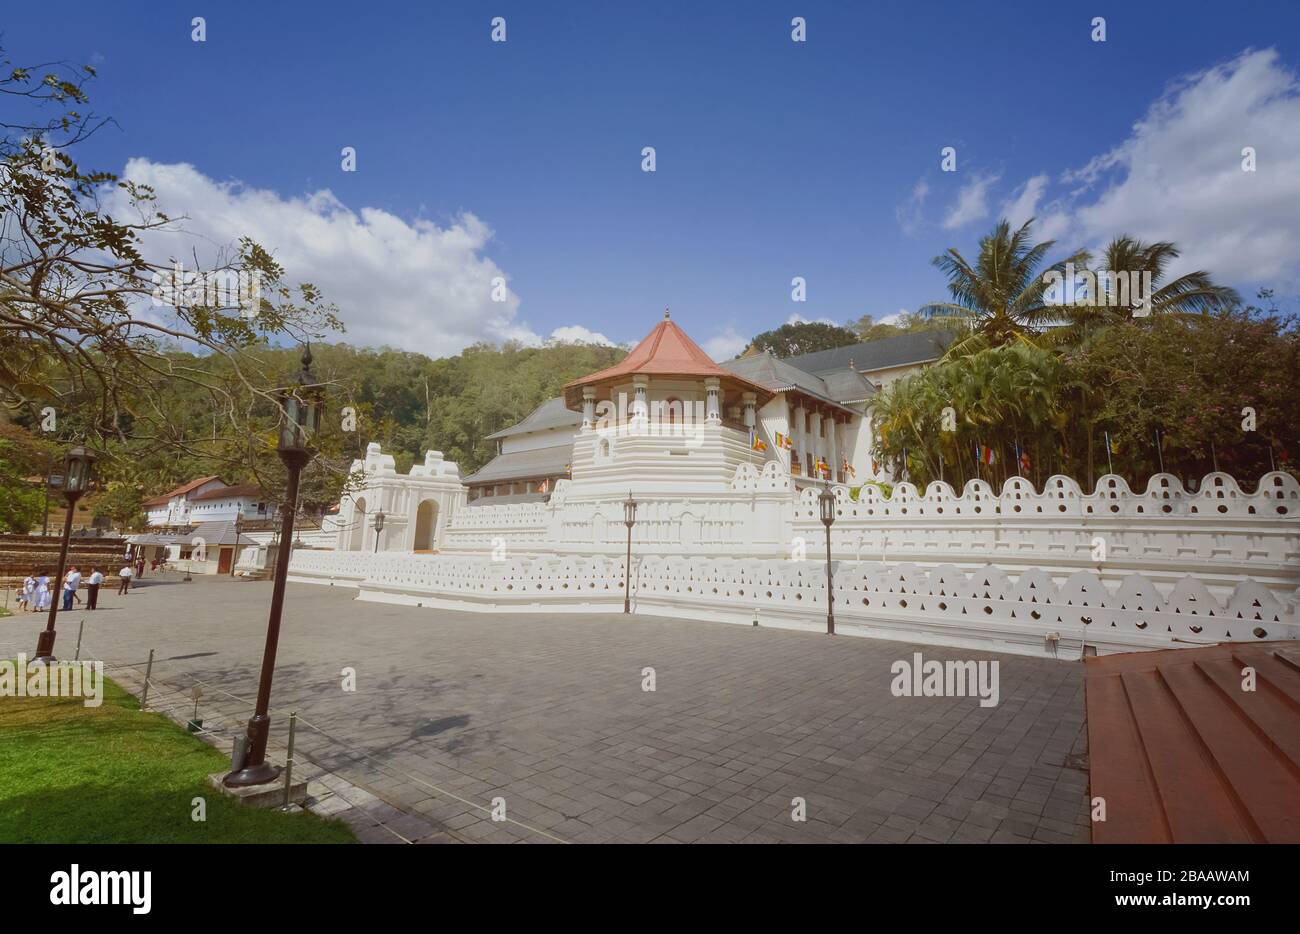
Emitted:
<point x="1111" y="445"/>
<point x="985" y="455"/>
<point x="1022" y="459"/>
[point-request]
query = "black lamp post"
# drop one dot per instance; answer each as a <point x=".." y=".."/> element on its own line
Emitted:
<point x="827" y="503"/>
<point x="78" y="467"/>
<point x="239" y="520"/>
<point x="379" y="527"/>
<point x="629" y="519"/>
<point x="300" y="406"/>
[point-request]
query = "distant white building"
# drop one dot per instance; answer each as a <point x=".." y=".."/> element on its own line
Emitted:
<point x="227" y="503"/>
<point x="208" y="499"/>
<point x="173" y="507"/>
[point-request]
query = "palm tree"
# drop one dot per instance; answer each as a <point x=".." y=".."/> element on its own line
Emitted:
<point x="1000" y="297"/>
<point x="1193" y="293"/>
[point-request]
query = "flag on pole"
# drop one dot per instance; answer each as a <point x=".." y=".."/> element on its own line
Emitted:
<point x="985" y="454"/>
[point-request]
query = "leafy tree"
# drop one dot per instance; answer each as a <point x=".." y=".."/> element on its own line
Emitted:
<point x="121" y="502"/>
<point x="74" y="280"/>
<point x="1199" y="380"/>
<point x="1000" y="297"/>
<point x="1192" y="293"/>
<point x="867" y="329"/>
<point x="802" y="337"/>
<point x="999" y="397"/>
<point x="21" y="504"/>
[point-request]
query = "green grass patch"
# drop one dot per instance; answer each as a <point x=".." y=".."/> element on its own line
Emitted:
<point x="112" y="774"/>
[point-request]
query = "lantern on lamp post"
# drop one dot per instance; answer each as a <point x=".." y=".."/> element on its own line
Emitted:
<point x="379" y="527"/>
<point x="78" y="468"/>
<point x="826" y="502"/>
<point x="629" y="519"/>
<point x="300" y="407"/>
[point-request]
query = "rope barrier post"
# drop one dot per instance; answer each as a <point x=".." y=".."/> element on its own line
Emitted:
<point x="148" y="673"/>
<point x="80" y="629"/>
<point x="288" y="762"/>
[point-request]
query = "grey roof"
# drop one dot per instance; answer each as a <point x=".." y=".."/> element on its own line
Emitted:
<point x="212" y="533"/>
<point x="525" y="465"/>
<point x="917" y="347"/>
<point x="550" y="414"/>
<point x="848" y="386"/>
<point x="779" y="376"/>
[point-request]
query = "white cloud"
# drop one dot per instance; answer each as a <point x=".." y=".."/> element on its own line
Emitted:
<point x="972" y="201"/>
<point x="725" y="344"/>
<point x="577" y="334"/>
<point x="406" y="284"/>
<point x="797" y="318"/>
<point x="908" y="214"/>
<point x="1178" y="177"/>
<point x="1024" y="204"/>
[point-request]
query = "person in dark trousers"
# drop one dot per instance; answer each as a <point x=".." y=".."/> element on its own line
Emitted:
<point x="71" y="582"/>
<point x="125" y="575"/>
<point x="92" y="588"/>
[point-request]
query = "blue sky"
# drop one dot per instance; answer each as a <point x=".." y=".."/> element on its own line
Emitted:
<point x="775" y="159"/>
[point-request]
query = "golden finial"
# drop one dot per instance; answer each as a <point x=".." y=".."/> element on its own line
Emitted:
<point x="665" y="312"/>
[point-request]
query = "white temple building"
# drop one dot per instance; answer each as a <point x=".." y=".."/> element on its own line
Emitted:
<point x="725" y="464"/>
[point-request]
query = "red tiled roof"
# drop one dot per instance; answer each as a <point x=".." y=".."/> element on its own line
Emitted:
<point x="1182" y="754"/>
<point x="179" y="491"/>
<point x="665" y="351"/>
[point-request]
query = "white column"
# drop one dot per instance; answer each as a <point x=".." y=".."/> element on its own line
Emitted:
<point x="712" y="403"/>
<point x="841" y="446"/>
<point x="800" y="438"/>
<point x="640" y="401"/>
<point x="749" y="399"/>
<point x="588" y="408"/>
<point x="832" y="443"/>
<point x="815" y="429"/>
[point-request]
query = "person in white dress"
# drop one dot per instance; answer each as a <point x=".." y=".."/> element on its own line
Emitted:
<point x="29" y="591"/>
<point x="43" y="592"/>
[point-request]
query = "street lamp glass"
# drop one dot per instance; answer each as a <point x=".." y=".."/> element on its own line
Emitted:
<point x="827" y="503"/>
<point x="379" y="521"/>
<point x="77" y="469"/>
<point x="302" y="402"/>
<point x="629" y="510"/>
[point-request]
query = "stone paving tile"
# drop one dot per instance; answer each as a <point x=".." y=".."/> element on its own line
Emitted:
<point x="546" y="712"/>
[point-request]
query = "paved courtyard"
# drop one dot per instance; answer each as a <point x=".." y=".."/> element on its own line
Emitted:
<point x="548" y="714"/>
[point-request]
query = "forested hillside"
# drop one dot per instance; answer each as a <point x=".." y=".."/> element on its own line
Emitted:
<point x="406" y="401"/>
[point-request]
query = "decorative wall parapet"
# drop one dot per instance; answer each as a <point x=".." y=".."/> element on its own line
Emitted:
<point x="1219" y="496"/>
<point x="1031" y="612"/>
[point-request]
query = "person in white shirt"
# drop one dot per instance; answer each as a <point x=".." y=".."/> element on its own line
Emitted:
<point x="92" y="588"/>
<point x="125" y="575"/>
<point x="43" y="591"/>
<point x="29" y="588"/>
<point x="70" y="584"/>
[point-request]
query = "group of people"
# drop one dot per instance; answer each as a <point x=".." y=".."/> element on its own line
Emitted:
<point x="36" y="593"/>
